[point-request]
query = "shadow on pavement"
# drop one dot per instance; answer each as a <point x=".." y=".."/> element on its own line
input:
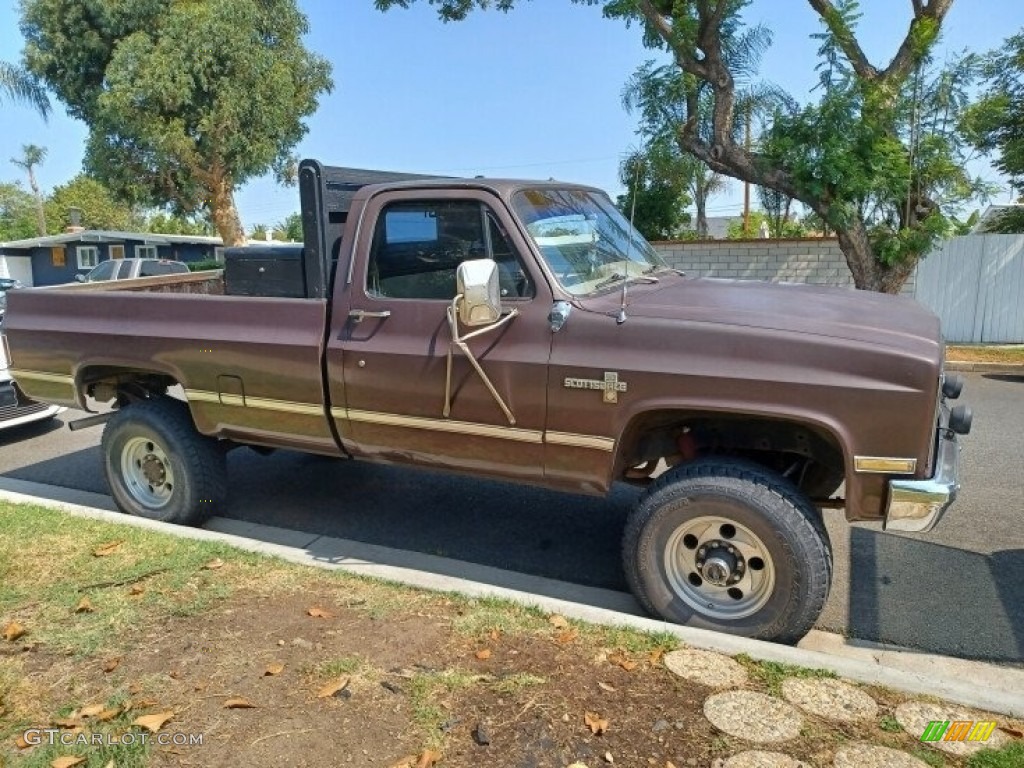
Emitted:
<point x="1013" y="378"/>
<point x="935" y="598"/>
<point x="13" y="435"/>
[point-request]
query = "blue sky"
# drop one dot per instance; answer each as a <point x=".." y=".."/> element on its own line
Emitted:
<point x="534" y="93"/>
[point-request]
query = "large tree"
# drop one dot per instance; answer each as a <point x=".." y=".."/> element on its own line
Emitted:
<point x="19" y="85"/>
<point x="841" y="156"/>
<point x="32" y="155"/>
<point x="17" y="213"/>
<point x="185" y="101"/>
<point x="98" y="208"/>
<point x="656" y="198"/>
<point x="996" y="122"/>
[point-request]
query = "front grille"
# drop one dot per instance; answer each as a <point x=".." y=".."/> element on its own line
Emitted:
<point x="21" y="409"/>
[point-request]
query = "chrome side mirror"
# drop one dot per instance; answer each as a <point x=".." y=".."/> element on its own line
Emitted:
<point x="477" y="282"/>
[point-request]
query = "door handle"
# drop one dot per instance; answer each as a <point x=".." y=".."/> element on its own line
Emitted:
<point x="358" y="315"/>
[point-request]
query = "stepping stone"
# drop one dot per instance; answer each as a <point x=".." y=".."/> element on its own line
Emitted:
<point x="756" y="759"/>
<point x="753" y="716"/>
<point x="706" y="668"/>
<point x="914" y="716"/>
<point x="831" y="699"/>
<point x="860" y="755"/>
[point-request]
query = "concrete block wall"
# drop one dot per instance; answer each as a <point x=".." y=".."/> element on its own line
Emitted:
<point x="816" y="261"/>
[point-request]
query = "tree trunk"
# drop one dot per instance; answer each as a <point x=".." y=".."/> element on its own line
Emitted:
<point x="700" y="200"/>
<point x="40" y="211"/>
<point x="224" y="212"/>
<point x="869" y="274"/>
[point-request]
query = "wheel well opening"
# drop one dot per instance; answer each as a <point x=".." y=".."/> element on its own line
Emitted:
<point x="114" y="385"/>
<point x="809" y="455"/>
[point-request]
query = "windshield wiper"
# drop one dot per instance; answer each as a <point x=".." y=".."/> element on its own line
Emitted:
<point x="614" y="278"/>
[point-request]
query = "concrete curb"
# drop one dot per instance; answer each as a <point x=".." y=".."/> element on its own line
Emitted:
<point x="1005" y="368"/>
<point x="1001" y="693"/>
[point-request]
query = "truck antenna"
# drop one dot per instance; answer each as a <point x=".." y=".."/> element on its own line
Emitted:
<point x="621" y="317"/>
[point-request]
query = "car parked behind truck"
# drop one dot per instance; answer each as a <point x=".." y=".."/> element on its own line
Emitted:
<point x="525" y="331"/>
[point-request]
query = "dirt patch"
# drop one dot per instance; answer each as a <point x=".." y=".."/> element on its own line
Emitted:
<point x="354" y="686"/>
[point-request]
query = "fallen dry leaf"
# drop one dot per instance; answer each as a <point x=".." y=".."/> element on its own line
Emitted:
<point x="105" y="550"/>
<point x="669" y="764"/>
<point x="144" y="703"/>
<point x="484" y="654"/>
<point x="620" y="660"/>
<point x="66" y="722"/>
<point x="108" y="714"/>
<point x="608" y="757"/>
<point x="595" y="723"/>
<point x="67" y="761"/>
<point x="409" y="761"/>
<point x="332" y="688"/>
<point x="91" y="711"/>
<point x="566" y="636"/>
<point x="656" y="655"/>
<point x="13" y="631"/>
<point x="495" y="634"/>
<point x="606" y="687"/>
<point x="84" y="606"/>
<point x="578" y="765"/>
<point x="428" y="758"/>
<point x="154" y="722"/>
<point x="273" y="669"/>
<point x="239" y="703"/>
<point x="20" y="742"/>
<point x="111" y="664"/>
<point x="213" y="565"/>
<point x="137" y="589"/>
<point x="558" y="622"/>
<point x="318" y="613"/>
<point x="110" y="765"/>
<point x="1012" y="732"/>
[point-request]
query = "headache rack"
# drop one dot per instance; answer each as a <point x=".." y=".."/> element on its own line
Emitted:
<point x="326" y="194"/>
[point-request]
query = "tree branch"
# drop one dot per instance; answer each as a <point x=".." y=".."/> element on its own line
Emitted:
<point x="845" y="38"/>
<point x="909" y="54"/>
<point x="686" y="61"/>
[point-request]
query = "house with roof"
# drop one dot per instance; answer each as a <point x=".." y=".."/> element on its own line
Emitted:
<point x="56" y="259"/>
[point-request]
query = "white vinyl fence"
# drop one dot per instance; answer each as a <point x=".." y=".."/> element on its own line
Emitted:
<point x="975" y="284"/>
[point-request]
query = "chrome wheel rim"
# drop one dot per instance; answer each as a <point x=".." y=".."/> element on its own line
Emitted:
<point x="147" y="472"/>
<point x="719" y="568"/>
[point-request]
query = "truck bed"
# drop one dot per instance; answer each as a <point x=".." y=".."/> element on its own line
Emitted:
<point x="234" y="356"/>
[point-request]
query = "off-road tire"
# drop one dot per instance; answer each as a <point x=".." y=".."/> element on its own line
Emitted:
<point x="762" y="502"/>
<point x="196" y="462"/>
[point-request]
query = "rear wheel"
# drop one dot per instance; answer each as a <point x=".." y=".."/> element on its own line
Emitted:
<point x="159" y="467"/>
<point x="728" y="545"/>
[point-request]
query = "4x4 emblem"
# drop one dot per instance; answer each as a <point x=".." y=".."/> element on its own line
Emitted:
<point x="611" y="386"/>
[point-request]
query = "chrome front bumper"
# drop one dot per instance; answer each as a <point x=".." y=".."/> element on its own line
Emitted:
<point x="917" y="505"/>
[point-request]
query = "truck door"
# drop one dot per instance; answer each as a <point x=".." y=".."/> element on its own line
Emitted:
<point x="388" y="353"/>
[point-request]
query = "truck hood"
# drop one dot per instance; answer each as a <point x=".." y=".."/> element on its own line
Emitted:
<point x="873" y="318"/>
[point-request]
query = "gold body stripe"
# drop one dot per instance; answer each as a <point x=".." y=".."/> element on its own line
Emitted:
<point x="261" y="403"/>
<point x="410" y="422"/>
<point x="443" y="425"/>
<point x="52" y="378"/>
<point x="580" y="441"/>
<point x="884" y="464"/>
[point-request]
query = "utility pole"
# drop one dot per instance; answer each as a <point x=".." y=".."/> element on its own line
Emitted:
<point x="746" y="184"/>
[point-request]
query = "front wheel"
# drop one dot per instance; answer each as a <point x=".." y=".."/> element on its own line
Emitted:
<point x="159" y="467"/>
<point x="728" y="545"/>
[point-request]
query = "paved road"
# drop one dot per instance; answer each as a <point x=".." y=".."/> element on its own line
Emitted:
<point x="956" y="591"/>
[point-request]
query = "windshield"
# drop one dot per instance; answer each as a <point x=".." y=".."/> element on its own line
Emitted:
<point x="586" y="242"/>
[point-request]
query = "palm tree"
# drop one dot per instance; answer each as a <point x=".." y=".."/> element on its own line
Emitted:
<point x="31" y="156"/>
<point x="19" y="85"/>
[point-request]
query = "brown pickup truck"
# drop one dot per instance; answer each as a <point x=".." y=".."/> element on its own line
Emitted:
<point x="524" y="331"/>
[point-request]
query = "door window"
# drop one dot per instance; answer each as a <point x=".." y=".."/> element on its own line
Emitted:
<point x="417" y="247"/>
